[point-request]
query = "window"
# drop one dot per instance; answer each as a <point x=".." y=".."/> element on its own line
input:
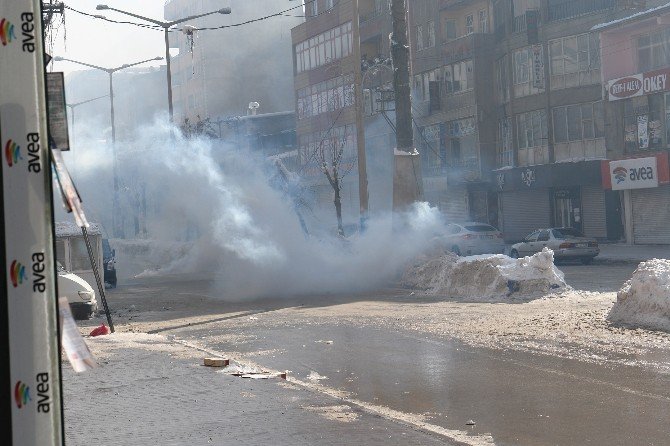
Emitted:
<point x="329" y="4"/>
<point x="469" y="24"/>
<point x="431" y="34"/>
<point x="543" y="236"/>
<point x="574" y="60"/>
<point x="502" y="80"/>
<point x="483" y="21"/>
<point x="339" y="138"/>
<point x="419" y="37"/>
<point x="79" y="254"/>
<point x="505" y="150"/>
<point x="315" y="7"/>
<point x="653" y="50"/>
<point x="325" y="96"/>
<point x="578" y="122"/>
<point x="565" y="9"/>
<point x="532" y="129"/>
<point x="324" y="48"/>
<point x="644" y="118"/>
<point x="528" y="70"/>
<point x="459" y="77"/>
<point x="431" y="145"/>
<point x="450" y="30"/>
<point x="462" y="135"/>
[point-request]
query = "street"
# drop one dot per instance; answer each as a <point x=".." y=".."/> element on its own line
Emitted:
<point x="546" y="371"/>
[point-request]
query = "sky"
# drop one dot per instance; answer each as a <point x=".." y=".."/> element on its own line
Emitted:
<point x="108" y="44"/>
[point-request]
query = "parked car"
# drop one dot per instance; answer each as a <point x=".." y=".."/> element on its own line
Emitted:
<point x="567" y="244"/>
<point x="79" y="293"/>
<point x="109" y="263"/>
<point x="473" y="238"/>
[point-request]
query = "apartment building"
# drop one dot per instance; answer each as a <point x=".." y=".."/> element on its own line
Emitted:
<point x="635" y="73"/>
<point x="217" y="73"/>
<point x="343" y="44"/>
<point x="509" y="100"/>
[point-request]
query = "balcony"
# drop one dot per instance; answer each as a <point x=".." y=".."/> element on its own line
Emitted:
<point x="467" y="170"/>
<point x="464" y="47"/>
<point x="372" y="22"/>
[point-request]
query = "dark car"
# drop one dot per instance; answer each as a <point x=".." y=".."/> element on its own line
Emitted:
<point x="109" y="263"/>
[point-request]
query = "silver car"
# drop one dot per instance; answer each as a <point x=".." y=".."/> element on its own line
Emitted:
<point x="473" y="238"/>
<point x="567" y="244"/>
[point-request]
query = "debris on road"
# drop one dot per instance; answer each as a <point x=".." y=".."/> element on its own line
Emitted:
<point x="99" y="331"/>
<point x="484" y="277"/>
<point x="216" y="362"/>
<point x="470" y="423"/>
<point x="324" y="342"/>
<point x="313" y="376"/>
<point x="644" y="300"/>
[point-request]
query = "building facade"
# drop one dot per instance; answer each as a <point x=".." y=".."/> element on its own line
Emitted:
<point x="343" y="46"/>
<point x="509" y="101"/>
<point x="636" y="83"/>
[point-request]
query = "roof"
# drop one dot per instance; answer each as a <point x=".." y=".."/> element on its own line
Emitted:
<point x="69" y="229"/>
<point x="648" y="13"/>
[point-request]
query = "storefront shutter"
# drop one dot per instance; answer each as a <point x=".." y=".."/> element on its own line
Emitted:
<point x="594" y="223"/>
<point x="454" y="204"/>
<point x="523" y="212"/>
<point x="651" y="215"/>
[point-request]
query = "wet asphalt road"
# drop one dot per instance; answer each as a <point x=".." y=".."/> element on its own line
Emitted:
<point x="519" y="398"/>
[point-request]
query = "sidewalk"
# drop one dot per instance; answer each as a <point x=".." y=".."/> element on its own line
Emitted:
<point x="622" y="253"/>
<point x="151" y="391"/>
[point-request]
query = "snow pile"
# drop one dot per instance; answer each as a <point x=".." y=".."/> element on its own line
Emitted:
<point x="486" y="276"/>
<point x="644" y="300"/>
<point x="70" y="229"/>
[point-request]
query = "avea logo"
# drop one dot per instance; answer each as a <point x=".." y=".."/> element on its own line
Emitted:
<point x="17" y="273"/>
<point x="620" y="174"/>
<point x="6" y="32"/>
<point x="21" y="394"/>
<point x="12" y="152"/>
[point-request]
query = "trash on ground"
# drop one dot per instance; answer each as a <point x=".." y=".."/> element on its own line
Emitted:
<point x="470" y="423"/>
<point x="313" y="376"/>
<point x="216" y="362"/>
<point x="99" y="331"/>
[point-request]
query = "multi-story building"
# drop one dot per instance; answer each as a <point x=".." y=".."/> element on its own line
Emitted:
<point x="342" y="45"/>
<point x="509" y="101"/>
<point x="219" y="72"/>
<point x="635" y="52"/>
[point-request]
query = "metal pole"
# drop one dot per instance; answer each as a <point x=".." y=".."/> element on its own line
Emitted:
<point x="115" y="178"/>
<point x="169" y="74"/>
<point x="360" y="124"/>
<point x="96" y="273"/>
<point x="400" y="54"/>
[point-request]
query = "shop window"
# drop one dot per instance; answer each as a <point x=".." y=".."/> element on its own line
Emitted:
<point x="643" y="122"/>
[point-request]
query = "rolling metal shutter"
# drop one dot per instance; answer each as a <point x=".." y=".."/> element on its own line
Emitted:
<point x="523" y="212"/>
<point x="651" y="215"/>
<point x="454" y="204"/>
<point x="594" y="222"/>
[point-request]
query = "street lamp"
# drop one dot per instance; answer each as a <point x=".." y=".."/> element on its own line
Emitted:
<point x="166" y="28"/>
<point x="74" y="106"/>
<point x="111" y="71"/>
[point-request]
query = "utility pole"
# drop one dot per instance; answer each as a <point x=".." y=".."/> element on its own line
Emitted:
<point x="360" y="122"/>
<point x="407" y="180"/>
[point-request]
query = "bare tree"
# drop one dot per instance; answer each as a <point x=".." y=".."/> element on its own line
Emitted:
<point x="330" y="155"/>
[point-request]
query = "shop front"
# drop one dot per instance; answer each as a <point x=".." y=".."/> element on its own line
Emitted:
<point x="643" y="184"/>
<point x="552" y="195"/>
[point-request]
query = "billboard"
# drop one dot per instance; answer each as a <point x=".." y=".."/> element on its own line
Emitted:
<point x="639" y="84"/>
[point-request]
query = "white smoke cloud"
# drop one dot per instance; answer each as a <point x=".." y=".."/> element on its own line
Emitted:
<point x="230" y="224"/>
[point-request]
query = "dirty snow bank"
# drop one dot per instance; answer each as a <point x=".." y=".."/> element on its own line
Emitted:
<point x="486" y="276"/>
<point x="644" y="300"/>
